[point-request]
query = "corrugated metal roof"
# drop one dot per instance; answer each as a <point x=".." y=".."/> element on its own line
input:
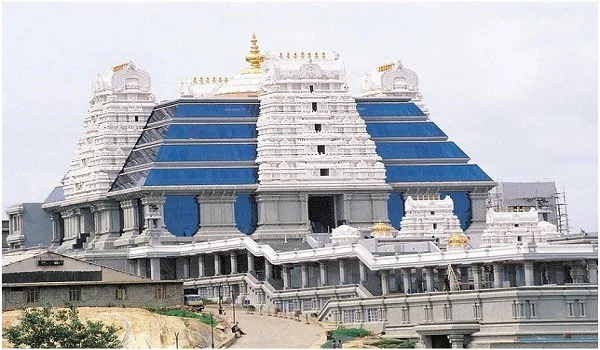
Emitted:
<point x="13" y="257"/>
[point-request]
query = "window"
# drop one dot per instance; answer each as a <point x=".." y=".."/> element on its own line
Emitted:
<point x="136" y="118"/>
<point x="434" y="226"/>
<point x="311" y="88"/>
<point x="120" y="293"/>
<point x="314" y="106"/>
<point x="324" y="172"/>
<point x="447" y="312"/>
<point x="318" y="127"/>
<point x="160" y="293"/>
<point x="477" y="311"/>
<point x="321" y="149"/>
<point x="372" y="315"/>
<point x="75" y="294"/>
<point x="432" y="212"/>
<point x="570" y="309"/>
<point x="405" y="314"/>
<point x="427" y="310"/>
<point x="33" y="295"/>
<point x="516" y="225"/>
<point x="532" y="310"/>
<point x="582" y="311"/>
<point x="519" y="238"/>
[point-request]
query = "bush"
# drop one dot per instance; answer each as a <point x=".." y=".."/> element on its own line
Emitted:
<point x="202" y="317"/>
<point x="45" y="328"/>
<point x="391" y="343"/>
<point x="350" y="332"/>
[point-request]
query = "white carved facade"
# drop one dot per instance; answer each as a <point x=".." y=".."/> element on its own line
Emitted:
<point x="309" y="131"/>
<point x="430" y="216"/>
<point x="393" y="80"/>
<point x="121" y="102"/>
<point x="345" y="234"/>
<point x="509" y="228"/>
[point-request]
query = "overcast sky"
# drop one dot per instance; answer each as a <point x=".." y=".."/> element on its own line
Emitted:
<point x="515" y="85"/>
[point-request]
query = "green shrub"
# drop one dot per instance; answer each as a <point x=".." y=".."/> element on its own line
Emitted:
<point x="391" y="343"/>
<point x="350" y="332"/>
<point x="202" y="317"/>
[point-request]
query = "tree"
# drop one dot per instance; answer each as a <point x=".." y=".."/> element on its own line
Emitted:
<point x="45" y="328"/>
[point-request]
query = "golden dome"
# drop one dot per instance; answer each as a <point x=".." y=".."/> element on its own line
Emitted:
<point x="255" y="58"/>
<point x="458" y="240"/>
<point x="380" y="227"/>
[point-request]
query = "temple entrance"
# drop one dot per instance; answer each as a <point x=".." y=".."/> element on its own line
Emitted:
<point x="321" y="213"/>
<point x="440" y="342"/>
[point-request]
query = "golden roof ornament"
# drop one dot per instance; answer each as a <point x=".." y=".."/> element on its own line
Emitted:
<point x="380" y="227"/>
<point x="458" y="240"/>
<point x="255" y="58"/>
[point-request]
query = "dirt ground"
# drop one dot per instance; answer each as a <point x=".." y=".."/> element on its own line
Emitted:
<point x="140" y="328"/>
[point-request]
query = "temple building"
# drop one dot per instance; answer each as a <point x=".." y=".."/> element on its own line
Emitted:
<point x="279" y="187"/>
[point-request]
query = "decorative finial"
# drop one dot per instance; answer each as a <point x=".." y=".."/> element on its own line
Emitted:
<point x="255" y="58"/>
<point x="287" y="55"/>
<point x="323" y="55"/>
<point x="281" y="55"/>
<point x="295" y="55"/>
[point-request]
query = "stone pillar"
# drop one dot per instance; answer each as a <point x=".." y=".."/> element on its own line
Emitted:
<point x="285" y="274"/>
<point x="456" y="341"/>
<point x="131" y="266"/>
<point x="155" y="268"/>
<point x="476" y="270"/>
<point x="217" y="217"/>
<point x="478" y="211"/>
<point x="406" y="280"/>
<point x="131" y="223"/>
<point x="268" y="270"/>
<point x="362" y="269"/>
<point x="528" y="267"/>
<point x="139" y="268"/>
<point x="498" y="276"/>
<point x="250" y="258"/>
<point x="57" y="233"/>
<point x="233" y="258"/>
<point x="429" y="279"/>
<point x="304" y="273"/>
<point x="107" y="232"/>
<point x="592" y="266"/>
<point x="201" y="266"/>
<point x="342" y="266"/>
<point x="323" y="273"/>
<point x="217" y="260"/>
<point x="186" y="267"/>
<point x="385" y="282"/>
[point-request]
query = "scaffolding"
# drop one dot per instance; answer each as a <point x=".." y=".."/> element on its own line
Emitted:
<point x="562" y="219"/>
<point x="552" y="207"/>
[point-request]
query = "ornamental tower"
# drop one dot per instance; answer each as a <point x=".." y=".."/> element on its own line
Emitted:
<point x="121" y="101"/>
<point x="430" y="216"/>
<point x="309" y="132"/>
<point x="314" y="155"/>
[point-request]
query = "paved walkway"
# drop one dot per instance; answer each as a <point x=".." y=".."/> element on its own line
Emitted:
<point x="264" y="331"/>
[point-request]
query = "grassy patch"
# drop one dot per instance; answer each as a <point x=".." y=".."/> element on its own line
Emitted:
<point x="202" y="317"/>
<point x="350" y="333"/>
<point x="391" y="343"/>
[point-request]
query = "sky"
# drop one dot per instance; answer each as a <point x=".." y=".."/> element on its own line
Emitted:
<point x="515" y="85"/>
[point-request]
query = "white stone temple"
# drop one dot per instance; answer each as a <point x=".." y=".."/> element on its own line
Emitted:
<point x="121" y="101"/>
<point x="516" y="228"/>
<point x="429" y="216"/>
<point x="277" y="186"/>
<point x="309" y="131"/>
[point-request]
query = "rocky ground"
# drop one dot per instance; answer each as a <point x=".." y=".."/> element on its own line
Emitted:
<point x="140" y="328"/>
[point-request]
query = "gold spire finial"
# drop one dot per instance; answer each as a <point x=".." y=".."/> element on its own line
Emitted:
<point x="255" y="58"/>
